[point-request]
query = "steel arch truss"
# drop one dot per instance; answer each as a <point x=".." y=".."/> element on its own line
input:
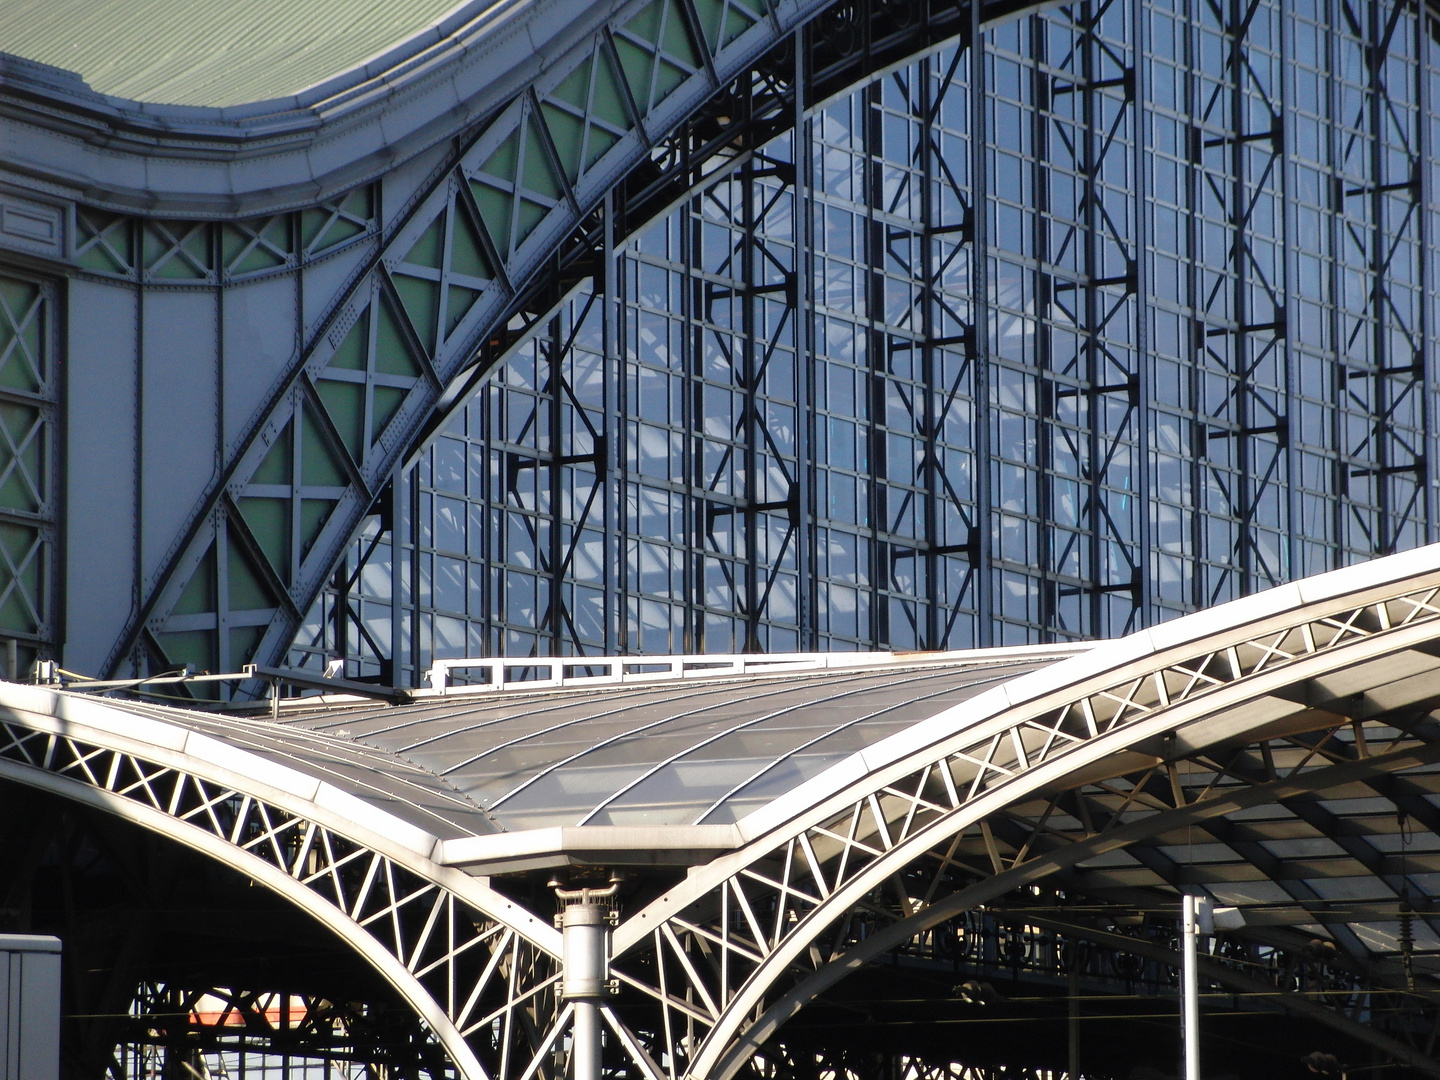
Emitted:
<point x="447" y="274"/>
<point x="478" y="980"/>
<point x="743" y="945"/>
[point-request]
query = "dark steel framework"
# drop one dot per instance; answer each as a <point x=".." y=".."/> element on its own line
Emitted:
<point x="1164" y="342"/>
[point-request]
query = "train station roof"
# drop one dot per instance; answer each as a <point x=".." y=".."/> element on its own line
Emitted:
<point x="210" y="52"/>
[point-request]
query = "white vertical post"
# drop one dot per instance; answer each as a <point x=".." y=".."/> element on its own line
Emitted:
<point x="1196" y="919"/>
<point x="585" y="972"/>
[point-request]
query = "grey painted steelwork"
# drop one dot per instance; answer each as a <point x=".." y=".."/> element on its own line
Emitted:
<point x="1270" y="711"/>
<point x="29" y="1007"/>
<point x="266" y="480"/>
<point x="274" y="370"/>
<point x="764" y="422"/>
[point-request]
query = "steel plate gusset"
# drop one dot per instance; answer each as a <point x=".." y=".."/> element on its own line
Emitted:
<point x="717" y="953"/>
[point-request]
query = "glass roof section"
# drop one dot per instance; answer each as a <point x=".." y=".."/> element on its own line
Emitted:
<point x="703" y="751"/>
<point x="209" y="52"/>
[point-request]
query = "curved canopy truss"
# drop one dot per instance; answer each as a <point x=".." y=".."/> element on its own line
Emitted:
<point x="1279" y="753"/>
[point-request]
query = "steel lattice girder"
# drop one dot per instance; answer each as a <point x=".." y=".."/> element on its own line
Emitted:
<point x="460" y="262"/>
<point x="915" y="809"/>
<point x="481" y="971"/>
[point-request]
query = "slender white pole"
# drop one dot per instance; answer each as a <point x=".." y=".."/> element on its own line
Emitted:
<point x="585" y="1041"/>
<point x="585" y="972"/>
<point x="1190" y="986"/>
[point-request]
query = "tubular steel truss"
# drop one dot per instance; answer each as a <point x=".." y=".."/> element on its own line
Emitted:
<point x="476" y="977"/>
<point x="742" y="945"/>
<point x="1159" y="733"/>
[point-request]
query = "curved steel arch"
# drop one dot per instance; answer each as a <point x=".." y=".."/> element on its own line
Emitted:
<point x="1237" y="673"/>
<point x="468" y="255"/>
<point x="463" y="956"/>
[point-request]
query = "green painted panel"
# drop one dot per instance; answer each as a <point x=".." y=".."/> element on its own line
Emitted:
<point x="392" y="352"/>
<point x="638" y="66"/>
<point x="351" y="353"/>
<point x="387" y="402"/>
<point x="195" y="648"/>
<point x="501" y="164"/>
<point x="20" y="471"/>
<point x="177" y="251"/>
<point x="568" y="133"/>
<point x="608" y="102"/>
<point x="458" y="301"/>
<point x="321" y="228"/>
<point x="22" y="352"/>
<point x="467" y="253"/>
<point x="313" y="515"/>
<point x="677" y="39"/>
<point x="597" y="144"/>
<point x="20" y="592"/>
<point x="648" y="22"/>
<point x="496" y="209"/>
<point x="257" y="244"/>
<point x="345" y="402"/>
<point x="248" y="591"/>
<point x="104" y="241"/>
<point x="269" y="523"/>
<point x="200" y="596"/>
<point x="318" y="464"/>
<point x="421" y="298"/>
<point x="530" y="215"/>
<point x="574" y="89"/>
<point x="325" y="227"/>
<point x="244" y="640"/>
<point x="667" y="78"/>
<point x="722" y="21"/>
<point x="539" y="176"/>
<point x="429" y="250"/>
<point x="275" y="468"/>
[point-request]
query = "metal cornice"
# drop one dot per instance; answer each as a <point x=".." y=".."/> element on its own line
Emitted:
<point x="189" y="161"/>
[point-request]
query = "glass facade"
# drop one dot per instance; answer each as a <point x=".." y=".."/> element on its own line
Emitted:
<point x="1124" y="313"/>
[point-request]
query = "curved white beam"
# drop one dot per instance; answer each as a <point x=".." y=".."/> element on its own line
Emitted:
<point x="389" y="966"/>
<point x="1227" y="674"/>
<point x="196" y="754"/>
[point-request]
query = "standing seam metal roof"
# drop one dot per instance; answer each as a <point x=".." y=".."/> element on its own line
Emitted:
<point x="209" y="52"/>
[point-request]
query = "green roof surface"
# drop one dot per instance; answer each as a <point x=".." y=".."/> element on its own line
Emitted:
<point x="209" y="52"/>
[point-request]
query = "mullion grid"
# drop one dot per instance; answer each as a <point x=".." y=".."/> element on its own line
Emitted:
<point x="1380" y="333"/>
<point x="746" y="315"/>
<point x="1312" y="309"/>
<point x="1066" y="368"/>
<point x="653" y="433"/>
<point x="1238" y="296"/>
<point x="900" y="384"/>
<point x="845" y="473"/>
<point x="1226" y="315"/>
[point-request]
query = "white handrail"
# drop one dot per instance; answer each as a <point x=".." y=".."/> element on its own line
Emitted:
<point x="631" y="669"/>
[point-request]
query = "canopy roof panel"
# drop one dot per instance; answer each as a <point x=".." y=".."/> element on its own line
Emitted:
<point x="209" y="52"/>
<point x="698" y="752"/>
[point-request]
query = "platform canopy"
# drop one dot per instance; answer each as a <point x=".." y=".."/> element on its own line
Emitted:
<point x="801" y="816"/>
